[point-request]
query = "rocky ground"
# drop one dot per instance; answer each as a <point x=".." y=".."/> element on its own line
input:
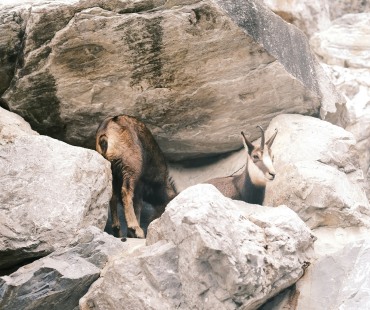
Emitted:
<point x="198" y="73"/>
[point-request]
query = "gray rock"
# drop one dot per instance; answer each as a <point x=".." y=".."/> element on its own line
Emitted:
<point x="318" y="172"/>
<point x="346" y="42"/>
<point x="49" y="191"/>
<point x="308" y="15"/>
<point x="13" y="126"/>
<point x="343" y="7"/>
<point x="338" y="279"/>
<point x="11" y="27"/>
<point x="355" y="86"/>
<point x="207" y="252"/>
<point x="194" y="71"/>
<point x="60" y="279"/>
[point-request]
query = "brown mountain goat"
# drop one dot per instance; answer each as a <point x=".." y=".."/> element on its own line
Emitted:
<point x="250" y="185"/>
<point x="139" y="170"/>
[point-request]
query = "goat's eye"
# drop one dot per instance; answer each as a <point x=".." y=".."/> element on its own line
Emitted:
<point x="256" y="157"/>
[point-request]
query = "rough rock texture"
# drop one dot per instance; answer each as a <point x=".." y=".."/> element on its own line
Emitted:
<point x="342" y="7"/>
<point x="11" y="29"/>
<point x="355" y="86"/>
<point x="195" y="71"/>
<point x="308" y="15"/>
<point x="318" y="172"/>
<point x="338" y="279"/>
<point x="349" y="289"/>
<point x="13" y="126"/>
<point x="60" y="279"/>
<point x="49" y="190"/>
<point x="346" y="42"/>
<point x="207" y="252"/>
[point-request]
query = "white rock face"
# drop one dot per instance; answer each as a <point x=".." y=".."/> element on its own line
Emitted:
<point x="208" y="252"/>
<point x="355" y="86"/>
<point x="318" y="172"/>
<point x="337" y="279"/>
<point x="13" y="126"/>
<point x="346" y="42"/>
<point x="343" y="7"/>
<point x="49" y="190"/>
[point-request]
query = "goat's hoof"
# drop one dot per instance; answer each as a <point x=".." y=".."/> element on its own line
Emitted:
<point x="136" y="232"/>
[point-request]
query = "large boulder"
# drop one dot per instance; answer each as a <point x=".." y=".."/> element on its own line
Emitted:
<point x="49" y="190"/>
<point x="194" y="71"/>
<point x="59" y="280"/>
<point x="318" y="172"/>
<point x="207" y="252"/>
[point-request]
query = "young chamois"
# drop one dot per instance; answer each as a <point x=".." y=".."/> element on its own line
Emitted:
<point x="139" y="171"/>
<point x="251" y="184"/>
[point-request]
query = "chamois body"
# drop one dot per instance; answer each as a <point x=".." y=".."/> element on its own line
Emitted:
<point x="250" y="185"/>
<point x="139" y="170"/>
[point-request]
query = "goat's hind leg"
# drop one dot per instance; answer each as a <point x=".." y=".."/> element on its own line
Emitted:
<point x="116" y="227"/>
<point x="133" y="227"/>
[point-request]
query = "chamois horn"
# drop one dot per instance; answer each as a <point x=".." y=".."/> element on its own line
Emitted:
<point x="262" y="137"/>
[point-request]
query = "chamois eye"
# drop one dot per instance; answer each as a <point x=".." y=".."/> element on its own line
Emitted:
<point x="255" y="157"/>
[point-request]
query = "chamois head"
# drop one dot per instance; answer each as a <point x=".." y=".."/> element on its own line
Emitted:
<point x="260" y="158"/>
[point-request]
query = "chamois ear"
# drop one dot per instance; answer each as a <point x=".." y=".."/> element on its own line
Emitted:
<point x="248" y="145"/>
<point x="272" y="138"/>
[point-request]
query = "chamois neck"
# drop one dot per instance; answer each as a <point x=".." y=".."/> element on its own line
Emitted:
<point x="251" y="192"/>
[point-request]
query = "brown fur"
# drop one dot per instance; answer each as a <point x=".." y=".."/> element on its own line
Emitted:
<point x="139" y="170"/>
<point x="250" y="185"/>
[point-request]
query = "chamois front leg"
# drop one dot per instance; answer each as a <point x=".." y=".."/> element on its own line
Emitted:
<point x="116" y="227"/>
<point x="133" y="227"/>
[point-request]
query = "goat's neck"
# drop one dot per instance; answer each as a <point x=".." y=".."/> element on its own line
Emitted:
<point x="250" y="192"/>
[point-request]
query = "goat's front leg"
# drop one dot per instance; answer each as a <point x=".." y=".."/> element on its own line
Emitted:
<point x="116" y="227"/>
<point x="133" y="227"/>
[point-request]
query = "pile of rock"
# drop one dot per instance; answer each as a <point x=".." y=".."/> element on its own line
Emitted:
<point x="197" y="72"/>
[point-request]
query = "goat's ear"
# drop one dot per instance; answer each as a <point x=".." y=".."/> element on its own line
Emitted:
<point x="248" y="145"/>
<point x="271" y="140"/>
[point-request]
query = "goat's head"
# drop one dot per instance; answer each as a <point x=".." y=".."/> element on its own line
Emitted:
<point x="260" y="158"/>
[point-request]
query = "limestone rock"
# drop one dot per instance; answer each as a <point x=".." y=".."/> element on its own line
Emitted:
<point x="318" y="172"/>
<point x="207" y="252"/>
<point x="343" y="7"/>
<point x="13" y="126"/>
<point x="49" y="190"/>
<point x="348" y="289"/>
<point x="309" y="16"/>
<point x="338" y="279"/>
<point x="60" y="279"/>
<point x="354" y="85"/>
<point x="346" y="42"/>
<point x="194" y="71"/>
<point x="11" y="27"/>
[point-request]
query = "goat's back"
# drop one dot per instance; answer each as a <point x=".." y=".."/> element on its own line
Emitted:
<point x="125" y="139"/>
<point x="227" y="186"/>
